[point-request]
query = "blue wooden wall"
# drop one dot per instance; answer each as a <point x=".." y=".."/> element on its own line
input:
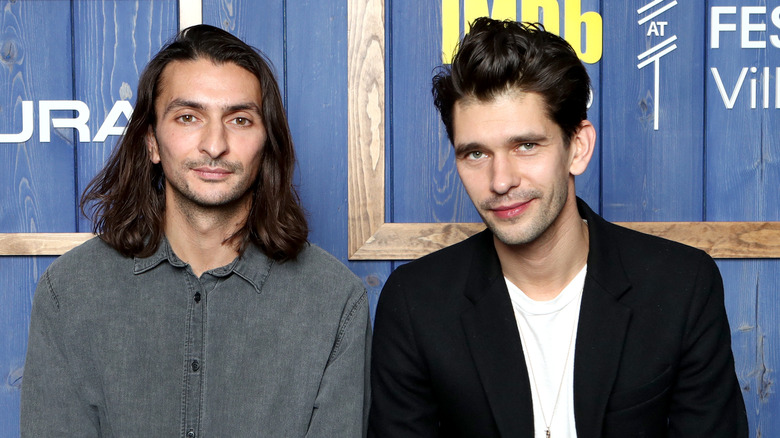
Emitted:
<point x="704" y="162"/>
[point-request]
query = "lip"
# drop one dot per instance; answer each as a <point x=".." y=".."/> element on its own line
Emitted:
<point x="212" y="173"/>
<point x="510" y="211"/>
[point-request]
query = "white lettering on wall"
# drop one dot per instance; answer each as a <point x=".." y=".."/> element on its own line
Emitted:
<point x="751" y="26"/>
<point x="79" y="122"/>
<point x="653" y="55"/>
<point x="730" y="98"/>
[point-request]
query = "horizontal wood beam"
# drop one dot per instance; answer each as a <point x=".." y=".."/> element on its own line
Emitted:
<point x="406" y="241"/>
<point x="725" y="240"/>
<point x="36" y="244"/>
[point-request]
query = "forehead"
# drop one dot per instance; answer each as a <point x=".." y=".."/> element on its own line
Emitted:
<point x="507" y="114"/>
<point x="204" y="79"/>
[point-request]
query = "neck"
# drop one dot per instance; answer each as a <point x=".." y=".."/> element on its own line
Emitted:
<point x="542" y="268"/>
<point x="198" y="235"/>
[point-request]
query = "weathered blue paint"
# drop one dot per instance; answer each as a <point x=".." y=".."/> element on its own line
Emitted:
<point x="112" y="42"/>
<point x="37" y="179"/>
<point x="741" y="179"/>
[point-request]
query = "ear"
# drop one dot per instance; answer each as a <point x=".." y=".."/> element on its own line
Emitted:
<point x="581" y="147"/>
<point x="152" y="148"/>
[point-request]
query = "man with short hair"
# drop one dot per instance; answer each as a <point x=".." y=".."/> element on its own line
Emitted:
<point x="552" y="322"/>
<point x="200" y="309"/>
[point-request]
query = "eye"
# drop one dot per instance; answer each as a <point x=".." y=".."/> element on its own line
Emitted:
<point x="186" y="118"/>
<point x="525" y="147"/>
<point x="241" y="121"/>
<point x="475" y="155"/>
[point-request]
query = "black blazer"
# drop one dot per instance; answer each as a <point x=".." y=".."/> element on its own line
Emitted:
<point x="653" y="351"/>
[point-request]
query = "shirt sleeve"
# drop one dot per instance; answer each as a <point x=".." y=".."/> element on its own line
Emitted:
<point x="52" y="401"/>
<point x="707" y="400"/>
<point x="341" y="405"/>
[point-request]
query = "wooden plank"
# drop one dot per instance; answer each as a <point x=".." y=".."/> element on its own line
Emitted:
<point x="366" y="119"/>
<point x="394" y="241"/>
<point x="113" y="41"/>
<point x="33" y="244"/>
<point x="589" y="183"/>
<point x="423" y="182"/>
<point x="741" y="183"/>
<point x="648" y="174"/>
<point x="36" y="178"/>
<point x="751" y="303"/>
<point x="260" y="24"/>
<point x="765" y="358"/>
<point x="722" y="240"/>
<point x="406" y="241"/>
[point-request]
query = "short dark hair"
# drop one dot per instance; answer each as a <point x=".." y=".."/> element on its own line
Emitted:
<point x="126" y="199"/>
<point x="499" y="56"/>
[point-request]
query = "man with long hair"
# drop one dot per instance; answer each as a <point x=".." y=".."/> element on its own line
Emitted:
<point x="200" y="309"/>
<point x="552" y="322"/>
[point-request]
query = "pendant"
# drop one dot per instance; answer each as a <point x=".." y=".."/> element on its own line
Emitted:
<point x="548" y="432"/>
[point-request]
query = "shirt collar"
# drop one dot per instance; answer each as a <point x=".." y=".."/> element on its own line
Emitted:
<point x="253" y="266"/>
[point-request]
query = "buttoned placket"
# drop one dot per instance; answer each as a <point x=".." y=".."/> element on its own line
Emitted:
<point x="194" y="360"/>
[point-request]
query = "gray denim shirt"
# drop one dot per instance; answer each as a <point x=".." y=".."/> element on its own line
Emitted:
<point x="123" y="347"/>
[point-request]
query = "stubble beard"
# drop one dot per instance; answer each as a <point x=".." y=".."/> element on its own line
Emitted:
<point x="190" y="202"/>
<point x="510" y="232"/>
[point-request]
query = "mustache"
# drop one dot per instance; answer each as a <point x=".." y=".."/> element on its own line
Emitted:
<point x="230" y="166"/>
<point x="509" y="198"/>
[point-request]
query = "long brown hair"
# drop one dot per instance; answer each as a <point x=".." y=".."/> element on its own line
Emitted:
<point x="126" y="199"/>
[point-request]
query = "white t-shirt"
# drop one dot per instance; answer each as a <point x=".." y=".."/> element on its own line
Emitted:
<point x="548" y="333"/>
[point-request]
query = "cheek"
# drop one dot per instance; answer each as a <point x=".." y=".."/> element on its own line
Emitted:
<point x="252" y="166"/>
<point x="473" y="180"/>
<point x="256" y="159"/>
<point x="167" y="159"/>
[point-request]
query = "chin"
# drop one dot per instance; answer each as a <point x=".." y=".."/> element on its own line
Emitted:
<point x="516" y="234"/>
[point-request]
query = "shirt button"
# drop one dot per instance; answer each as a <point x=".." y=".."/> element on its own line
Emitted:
<point x="195" y="366"/>
<point x="190" y="433"/>
<point x="197" y="297"/>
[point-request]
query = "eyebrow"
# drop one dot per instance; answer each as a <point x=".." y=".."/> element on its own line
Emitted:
<point x="467" y="147"/>
<point x="522" y="138"/>
<point x="183" y="103"/>
<point x="528" y="138"/>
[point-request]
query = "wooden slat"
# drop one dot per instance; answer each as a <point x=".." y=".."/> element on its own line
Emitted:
<point x="366" y="138"/>
<point x="648" y="174"/>
<point x="112" y="42"/>
<point x="422" y="178"/>
<point x="741" y="182"/>
<point x="36" y="177"/>
<point x="722" y="240"/>
<point x="265" y="30"/>
<point x="35" y="244"/>
<point x="406" y="241"/>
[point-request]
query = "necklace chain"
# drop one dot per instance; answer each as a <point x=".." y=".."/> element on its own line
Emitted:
<point x="560" y="385"/>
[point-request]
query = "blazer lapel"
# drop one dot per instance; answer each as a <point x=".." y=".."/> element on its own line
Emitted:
<point x="601" y="330"/>
<point x="491" y="333"/>
<point x="600" y="335"/>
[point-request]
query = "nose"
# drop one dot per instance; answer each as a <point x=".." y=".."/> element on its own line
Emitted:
<point x="214" y="143"/>
<point x="504" y="176"/>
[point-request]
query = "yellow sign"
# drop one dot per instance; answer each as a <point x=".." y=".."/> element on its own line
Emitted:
<point x="545" y="11"/>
